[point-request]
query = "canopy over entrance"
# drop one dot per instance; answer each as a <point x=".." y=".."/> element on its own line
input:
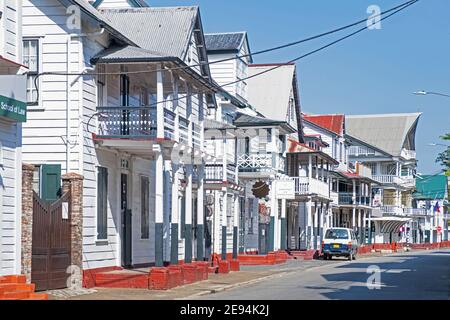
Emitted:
<point x="391" y="224"/>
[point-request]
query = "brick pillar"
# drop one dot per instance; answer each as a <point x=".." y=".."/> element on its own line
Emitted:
<point x="27" y="219"/>
<point x="74" y="183"/>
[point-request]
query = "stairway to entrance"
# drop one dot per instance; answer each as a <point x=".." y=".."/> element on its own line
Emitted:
<point x="16" y="288"/>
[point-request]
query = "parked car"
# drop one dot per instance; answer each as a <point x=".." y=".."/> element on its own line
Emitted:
<point x="339" y="242"/>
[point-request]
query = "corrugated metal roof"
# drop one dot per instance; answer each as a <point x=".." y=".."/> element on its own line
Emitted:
<point x="269" y="93"/>
<point x="388" y="132"/>
<point x="165" y="31"/>
<point x="229" y="41"/>
<point x="123" y="54"/>
<point x="331" y="122"/>
<point x="431" y="187"/>
<point x="210" y="124"/>
<point x="95" y="14"/>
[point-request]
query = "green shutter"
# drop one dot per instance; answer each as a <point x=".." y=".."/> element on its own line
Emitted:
<point x="102" y="198"/>
<point x="51" y="182"/>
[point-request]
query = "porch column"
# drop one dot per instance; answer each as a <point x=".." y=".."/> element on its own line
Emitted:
<point x="309" y="224"/>
<point x="175" y="108"/>
<point x="359" y="226"/>
<point x="200" y="215"/>
<point x="188" y="222"/>
<point x="283" y="236"/>
<point x="159" y="105"/>
<point x="354" y="206"/>
<point x="174" y="229"/>
<point x="201" y="190"/>
<point x="225" y="196"/>
<point x="159" y="209"/>
<point x="370" y="226"/>
<point x="235" y="226"/>
<point x="224" y="223"/>
<point x="316" y="224"/>
<point x="323" y="217"/>
<point x="273" y="211"/>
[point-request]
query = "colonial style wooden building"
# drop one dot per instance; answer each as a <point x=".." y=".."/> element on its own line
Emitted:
<point x="13" y="96"/>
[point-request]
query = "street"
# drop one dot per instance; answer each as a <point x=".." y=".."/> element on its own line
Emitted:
<point x="411" y="276"/>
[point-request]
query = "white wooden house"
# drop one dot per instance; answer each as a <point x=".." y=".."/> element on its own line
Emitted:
<point x="122" y="125"/>
<point x="12" y="115"/>
<point x="386" y="144"/>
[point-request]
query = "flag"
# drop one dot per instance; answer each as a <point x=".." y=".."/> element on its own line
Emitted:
<point x="437" y="207"/>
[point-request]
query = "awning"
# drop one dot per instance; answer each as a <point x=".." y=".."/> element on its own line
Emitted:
<point x="391" y="224"/>
<point x="6" y="63"/>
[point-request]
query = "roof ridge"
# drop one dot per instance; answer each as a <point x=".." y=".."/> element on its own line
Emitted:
<point x="380" y="115"/>
<point x="219" y="33"/>
<point x="147" y="9"/>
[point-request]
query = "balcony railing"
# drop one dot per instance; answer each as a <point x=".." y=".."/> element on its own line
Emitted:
<point x="385" y="179"/>
<point x="214" y="173"/>
<point x="416" y="211"/>
<point x="392" y="210"/>
<point x="141" y="122"/>
<point x="306" y="186"/>
<point x="408" y="154"/>
<point x="261" y="162"/>
<point x="360" y="151"/>
<point x="346" y="198"/>
<point x="406" y="181"/>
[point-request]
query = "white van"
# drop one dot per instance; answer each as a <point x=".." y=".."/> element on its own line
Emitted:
<point x="339" y="242"/>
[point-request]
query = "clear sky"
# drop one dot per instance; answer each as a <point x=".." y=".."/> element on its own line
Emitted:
<point x="373" y="72"/>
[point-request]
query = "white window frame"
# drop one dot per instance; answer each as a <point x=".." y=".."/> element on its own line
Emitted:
<point x="38" y="106"/>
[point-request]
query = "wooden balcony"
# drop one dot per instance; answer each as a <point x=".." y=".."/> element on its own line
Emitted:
<point x="137" y="127"/>
<point x="216" y="179"/>
<point x="310" y="187"/>
<point x="261" y="164"/>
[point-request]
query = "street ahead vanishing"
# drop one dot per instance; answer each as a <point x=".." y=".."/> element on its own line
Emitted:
<point x="414" y="275"/>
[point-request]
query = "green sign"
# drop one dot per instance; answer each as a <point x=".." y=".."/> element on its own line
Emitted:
<point x="13" y="109"/>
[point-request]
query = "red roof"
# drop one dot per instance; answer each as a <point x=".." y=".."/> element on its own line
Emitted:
<point x="331" y="122"/>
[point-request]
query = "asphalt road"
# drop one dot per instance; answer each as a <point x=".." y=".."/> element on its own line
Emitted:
<point x="408" y="276"/>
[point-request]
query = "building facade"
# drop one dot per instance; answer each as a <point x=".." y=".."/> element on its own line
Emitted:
<point x="12" y="116"/>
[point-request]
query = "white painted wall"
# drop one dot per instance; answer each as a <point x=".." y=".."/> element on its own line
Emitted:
<point x="10" y="197"/>
<point x="11" y="30"/>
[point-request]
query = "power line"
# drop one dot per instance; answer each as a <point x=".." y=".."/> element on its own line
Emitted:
<point x="396" y="9"/>
<point x="410" y="3"/>
<point x="323" y="47"/>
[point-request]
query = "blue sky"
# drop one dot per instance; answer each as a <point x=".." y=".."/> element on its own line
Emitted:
<point x="373" y="72"/>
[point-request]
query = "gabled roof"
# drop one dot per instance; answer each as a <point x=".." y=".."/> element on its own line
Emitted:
<point x="431" y="187"/>
<point x="125" y="54"/>
<point x="135" y="3"/>
<point x="89" y="10"/>
<point x="165" y="31"/>
<point x="388" y="132"/>
<point x="246" y="120"/>
<point x="270" y="92"/>
<point x="227" y="42"/>
<point x="331" y="122"/>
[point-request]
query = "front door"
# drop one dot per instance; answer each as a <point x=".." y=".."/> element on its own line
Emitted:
<point x="126" y="222"/>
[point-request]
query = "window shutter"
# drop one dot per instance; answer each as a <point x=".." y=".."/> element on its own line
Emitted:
<point x="51" y="182"/>
<point x="102" y="198"/>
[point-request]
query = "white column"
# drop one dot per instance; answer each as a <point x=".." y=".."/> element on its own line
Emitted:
<point x="175" y="108"/>
<point x="310" y="231"/>
<point x="223" y="224"/>
<point x="354" y="209"/>
<point x="159" y="209"/>
<point x="160" y="105"/>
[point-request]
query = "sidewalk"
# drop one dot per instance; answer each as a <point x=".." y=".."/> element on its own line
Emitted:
<point x="215" y="283"/>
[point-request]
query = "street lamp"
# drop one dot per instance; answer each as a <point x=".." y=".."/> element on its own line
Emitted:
<point x="425" y="93"/>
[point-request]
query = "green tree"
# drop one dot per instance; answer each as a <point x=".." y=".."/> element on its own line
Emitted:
<point x="444" y="157"/>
